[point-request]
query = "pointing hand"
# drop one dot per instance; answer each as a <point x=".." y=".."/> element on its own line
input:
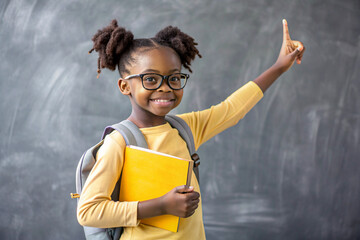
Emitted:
<point x="290" y="51"/>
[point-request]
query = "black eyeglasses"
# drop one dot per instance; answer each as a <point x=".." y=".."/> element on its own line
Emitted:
<point x="153" y="81"/>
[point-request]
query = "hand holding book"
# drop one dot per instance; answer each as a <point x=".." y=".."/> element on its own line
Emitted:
<point x="181" y="201"/>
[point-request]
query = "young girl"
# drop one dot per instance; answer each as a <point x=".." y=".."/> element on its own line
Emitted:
<point x="152" y="78"/>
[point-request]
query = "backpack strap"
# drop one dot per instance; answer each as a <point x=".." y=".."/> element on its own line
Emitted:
<point x="186" y="134"/>
<point x="130" y="132"/>
<point x="184" y="131"/>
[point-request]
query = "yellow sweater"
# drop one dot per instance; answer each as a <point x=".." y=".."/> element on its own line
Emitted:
<point x="95" y="207"/>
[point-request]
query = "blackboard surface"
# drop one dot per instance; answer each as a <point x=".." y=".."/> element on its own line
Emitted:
<point x="289" y="170"/>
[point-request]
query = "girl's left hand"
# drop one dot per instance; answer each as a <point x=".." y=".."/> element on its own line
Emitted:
<point x="290" y="51"/>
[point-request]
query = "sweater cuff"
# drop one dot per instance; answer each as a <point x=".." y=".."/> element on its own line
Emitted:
<point x="256" y="88"/>
<point x="130" y="218"/>
<point x="248" y="93"/>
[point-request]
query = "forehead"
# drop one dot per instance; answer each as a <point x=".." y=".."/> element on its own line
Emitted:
<point x="161" y="59"/>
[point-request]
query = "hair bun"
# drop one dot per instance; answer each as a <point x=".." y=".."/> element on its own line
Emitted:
<point x="111" y="42"/>
<point x="182" y="43"/>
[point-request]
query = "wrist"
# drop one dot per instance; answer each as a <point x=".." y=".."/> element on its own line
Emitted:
<point x="151" y="208"/>
<point x="162" y="205"/>
<point x="267" y="78"/>
<point x="277" y="68"/>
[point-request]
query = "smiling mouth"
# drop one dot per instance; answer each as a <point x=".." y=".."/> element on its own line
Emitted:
<point x="163" y="102"/>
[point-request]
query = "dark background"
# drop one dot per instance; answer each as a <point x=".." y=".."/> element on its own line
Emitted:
<point x="289" y="170"/>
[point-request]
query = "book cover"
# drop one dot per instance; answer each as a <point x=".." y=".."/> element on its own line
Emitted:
<point x="148" y="174"/>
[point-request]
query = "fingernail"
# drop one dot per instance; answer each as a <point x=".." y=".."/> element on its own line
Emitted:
<point x="284" y="21"/>
<point x="299" y="49"/>
<point x="191" y="187"/>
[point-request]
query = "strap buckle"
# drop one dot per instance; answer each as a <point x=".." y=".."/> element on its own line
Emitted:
<point x="74" y="195"/>
<point x="195" y="157"/>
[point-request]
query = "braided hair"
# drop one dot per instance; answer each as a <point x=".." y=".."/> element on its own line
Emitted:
<point x="116" y="45"/>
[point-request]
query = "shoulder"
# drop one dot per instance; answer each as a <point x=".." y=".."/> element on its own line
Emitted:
<point x="187" y="117"/>
<point x="115" y="138"/>
<point x="113" y="142"/>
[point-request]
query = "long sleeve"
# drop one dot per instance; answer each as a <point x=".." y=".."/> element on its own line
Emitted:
<point x="95" y="208"/>
<point x="207" y="123"/>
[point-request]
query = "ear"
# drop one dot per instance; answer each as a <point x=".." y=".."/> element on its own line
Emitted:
<point x="124" y="86"/>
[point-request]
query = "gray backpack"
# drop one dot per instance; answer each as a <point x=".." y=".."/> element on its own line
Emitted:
<point x="132" y="136"/>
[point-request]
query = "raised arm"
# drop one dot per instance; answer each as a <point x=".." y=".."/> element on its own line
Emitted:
<point x="290" y="52"/>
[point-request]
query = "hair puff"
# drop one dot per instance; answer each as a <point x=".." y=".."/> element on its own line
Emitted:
<point x="110" y="42"/>
<point x="183" y="44"/>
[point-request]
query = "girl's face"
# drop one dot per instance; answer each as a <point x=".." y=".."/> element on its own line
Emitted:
<point x="159" y="102"/>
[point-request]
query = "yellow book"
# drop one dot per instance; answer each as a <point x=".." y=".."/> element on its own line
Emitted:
<point x="148" y="174"/>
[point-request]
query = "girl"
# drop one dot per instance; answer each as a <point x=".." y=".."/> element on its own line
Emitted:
<point x="150" y="75"/>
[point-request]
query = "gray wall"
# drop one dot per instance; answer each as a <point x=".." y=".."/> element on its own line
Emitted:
<point x="289" y="170"/>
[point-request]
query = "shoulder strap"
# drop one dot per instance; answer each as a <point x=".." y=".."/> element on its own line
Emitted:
<point x="186" y="134"/>
<point x="130" y="132"/>
<point x="184" y="131"/>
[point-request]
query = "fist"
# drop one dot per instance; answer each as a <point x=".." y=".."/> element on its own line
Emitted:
<point x="181" y="201"/>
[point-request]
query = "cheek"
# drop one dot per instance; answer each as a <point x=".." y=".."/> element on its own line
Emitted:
<point x="143" y="95"/>
<point x="179" y="95"/>
<point x="137" y="90"/>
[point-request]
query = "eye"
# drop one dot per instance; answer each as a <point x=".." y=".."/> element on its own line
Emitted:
<point x="149" y="79"/>
<point x="175" y="78"/>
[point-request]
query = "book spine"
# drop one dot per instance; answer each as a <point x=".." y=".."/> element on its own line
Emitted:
<point x="190" y="169"/>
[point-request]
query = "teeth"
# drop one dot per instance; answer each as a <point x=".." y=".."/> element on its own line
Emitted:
<point x="161" y="100"/>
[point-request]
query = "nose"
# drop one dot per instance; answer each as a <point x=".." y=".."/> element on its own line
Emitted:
<point x="164" y="87"/>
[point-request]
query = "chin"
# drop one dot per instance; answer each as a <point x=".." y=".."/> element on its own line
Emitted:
<point x="161" y="114"/>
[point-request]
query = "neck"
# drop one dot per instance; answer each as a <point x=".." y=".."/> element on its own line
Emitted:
<point x="146" y="120"/>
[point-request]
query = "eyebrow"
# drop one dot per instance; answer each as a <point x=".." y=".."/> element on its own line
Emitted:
<point x="156" y="71"/>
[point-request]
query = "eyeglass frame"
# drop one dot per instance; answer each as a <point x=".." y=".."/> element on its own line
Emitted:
<point x="162" y="79"/>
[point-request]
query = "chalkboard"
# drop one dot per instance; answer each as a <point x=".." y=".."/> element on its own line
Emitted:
<point x="289" y="170"/>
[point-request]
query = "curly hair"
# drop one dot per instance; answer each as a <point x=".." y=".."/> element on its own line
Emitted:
<point x="116" y="46"/>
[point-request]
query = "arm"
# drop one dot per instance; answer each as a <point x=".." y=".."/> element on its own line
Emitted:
<point x="180" y="201"/>
<point x="95" y="207"/>
<point x="289" y="52"/>
<point x="210" y="122"/>
<point x="207" y="123"/>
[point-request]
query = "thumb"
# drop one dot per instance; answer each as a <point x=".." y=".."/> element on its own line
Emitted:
<point x="184" y="189"/>
<point x="295" y="53"/>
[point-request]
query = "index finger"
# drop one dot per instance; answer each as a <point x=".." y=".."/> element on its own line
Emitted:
<point x="195" y="195"/>
<point x="286" y="35"/>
